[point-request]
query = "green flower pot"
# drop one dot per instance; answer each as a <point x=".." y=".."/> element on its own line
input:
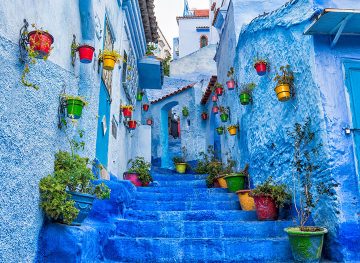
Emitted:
<point x="74" y="108"/>
<point x="139" y="96"/>
<point x="224" y="117"/>
<point x="185" y="113"/>
<point x="220" y="131"/>
<point x="245" y="98"/>
<point x="306" y="246"/>
<point x="235" y="182"/>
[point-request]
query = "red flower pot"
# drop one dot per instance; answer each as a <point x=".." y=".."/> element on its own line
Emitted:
<point x="215" y="109"/>
<point x="40" y="42"/>
<point x="219" y="91"/>
<point x="261" y="68"/>
<point x="266" y="208"/>
<point x="204" y="116"/>
<point x="134" y="179"/>
<point x="132" y="125"/>
<point x="230" y="84"/>
<point x="149" y="122"/>
<point x="127" y="112"/>
<point x="214" y="98"/>
<point x="146" y="107"/>
<point x="86" y="53"/>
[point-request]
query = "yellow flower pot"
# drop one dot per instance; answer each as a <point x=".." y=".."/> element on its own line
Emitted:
<point x="180" y="168"/>
<point x="222" y="181"/>
<point x="246" y="202"/>
<point x="232" y="131"/>
<point x="283" y="92"/>
<point x="109" y="62"/>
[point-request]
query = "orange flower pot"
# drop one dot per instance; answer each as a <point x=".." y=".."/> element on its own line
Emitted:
<point x="232" y="131"/>
<point x="222" y="181"/>
<point x="246" y="202"/>
<point x="109" y="62"/>
<point x="283" y="92"/>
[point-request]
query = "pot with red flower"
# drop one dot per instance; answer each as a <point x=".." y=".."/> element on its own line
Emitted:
<point x="127" y="111"/>
<point x="246" y="93"/>
<point x="132" y="124"/>
<point x="86" y="53"/>
<point x="204" y="116"/>
<point x="215" y="109"/>
<point x="231" y="82"/>
<point x="218" y="89"/>
<point x="261" y="66"/>
<point x="145" y="107"/>
<point x="224" y="116"/>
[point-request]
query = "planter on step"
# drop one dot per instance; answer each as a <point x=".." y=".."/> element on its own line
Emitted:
<point x="224" y="117"/>
<point x="221" y="181"/>
<point x="235" y="182"/>
<point x="204" y="116"/>
<point x="283" y="92"/>
<point x="74" y="107"/>
<point x="132" y="124"/>
<point x="83" y="202"/>
<point x="86" y="53"/>
<point x="245" y="98"/>
<point x="220" y="130"/>
<point x="146" y="107"/>
<point x="261" y="68"/>
<point x="134" y="179"/>
<point x="230" y="84"/>
<point x="306" y="246"/>
<point x="180" y="167"/>
<point x="266" y="208"/>
<point x="40" y="42"/>
<point x="246" y="202"/>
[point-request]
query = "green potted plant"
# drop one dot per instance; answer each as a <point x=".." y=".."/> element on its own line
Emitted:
<point x="269" y="197"/>
<point x="185" y="111"/>
<point x="74" y="106"/>
<point x="234" y="181"/>
<point x="150" y="48"/>
<point x="139" y="172"/>
<point x="225" y="171"/>
<point x="284" y="84"/>
<point x="245" y="93"/>
<point x="109" y="58"/>
<point x="307" y="241"/>
<point x="231" y="82"/>
<point x="180" y="161"/>
<point x="224" y="114"/>
<point x="139" y="95"/>
<point x="220" y="130"/>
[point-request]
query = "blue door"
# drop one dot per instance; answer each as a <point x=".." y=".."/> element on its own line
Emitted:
<point x="102" y="139"/>
<point x="352" y="73"/>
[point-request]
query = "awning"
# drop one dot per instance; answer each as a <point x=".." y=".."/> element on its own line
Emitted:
<point x="336" y="22"/>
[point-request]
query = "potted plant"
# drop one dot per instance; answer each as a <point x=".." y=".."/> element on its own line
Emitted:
<point x="214" y="98"/>
<point x="86" y="53"/>
<point x="204" y="115"/>
<point x="214" y="169"/>
<point x="149" y="121"/>
<point x="74" y="106"/>
<point x="245" y="94"/>
<point x="234" y="181"/>
<point x="307" y="241"/>
<point x="139" y="172"/>
<point x="132" y="124"/>
<point x="145" y="107"/>
<point x="226" y="170"/>
<point x="231" y="82"/>
<point x="224" y="116"/>
<point x="40" y="42"/>
<point x="232" y="129"/>
<point x="127" y="110"/>
<point x="180" y="162"/>
<point x="140" y="95"/>
<point x="218" y="89"/>
<point x="284" y="84"/>
<point x="268" y="197"/>
<point x="150" y="48"/>
<point x="246" y="201"/>
<point x="261" y="66"/>
<point x="185" y="111"/>
<point x="215" y="109"/>
<point x="220" y="130"/>
<point x="109" y="58"/>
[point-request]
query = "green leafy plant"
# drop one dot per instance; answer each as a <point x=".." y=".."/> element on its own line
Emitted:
<point x="214" y="170"/>
<point x="150" y="48"/>
<point x="182" y="158"/>
<point x="218" y="85"/>
<point x="205" y="159"/>
<point x="142" y="168"/>
<point x="307" y="192"/>
<point x="248" y="88"/>
<point x="166" y="65"/>
<point x="220" y="129"/>
<point x="231" y="73"/>
<point x="185" y="111"/>
<point x="278" y="192"/>
<point x="285" y="77"/>
<point x="232" y="127"/>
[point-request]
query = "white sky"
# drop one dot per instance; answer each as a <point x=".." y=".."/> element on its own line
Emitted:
<point x="166" y="12"/>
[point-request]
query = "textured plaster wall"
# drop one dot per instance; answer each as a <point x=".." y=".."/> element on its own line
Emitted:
<point x="263" y="141"/>
<point x="29" y="136"/>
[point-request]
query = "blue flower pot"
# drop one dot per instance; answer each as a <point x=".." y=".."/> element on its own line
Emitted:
<point x="83" y="202"/>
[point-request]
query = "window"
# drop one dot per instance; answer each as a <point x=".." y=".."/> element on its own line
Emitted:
<point x="203" y="41"/>
<point x="109" y="45"/>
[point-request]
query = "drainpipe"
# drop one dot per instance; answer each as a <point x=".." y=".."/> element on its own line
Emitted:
<point x="87" y="20"/>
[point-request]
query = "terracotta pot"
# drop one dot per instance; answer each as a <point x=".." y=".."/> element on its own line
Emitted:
<point x="132" y="125"/>
<point x="146" y="107"/>
<point x="230" y="84"/>
<point x="246" y="202"/>
<point x="266" y="208"/>
<point x="261" y="68"/>
<point x="86" y="53"/>
<point x="222" y="181"/>
<point x="40" y="42"/>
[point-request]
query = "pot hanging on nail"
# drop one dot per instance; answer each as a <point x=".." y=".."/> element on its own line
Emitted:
<point x="86" y="53"/>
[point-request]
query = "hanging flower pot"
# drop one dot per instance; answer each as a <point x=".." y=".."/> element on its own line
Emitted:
<point x="109" y="59"/>
<point x="246" y="202"/>
<point x="139" y="96"/>
<point x="230" y="84"/>
<point x="245" y="98"/>
<point x="283" y="92"/>
<point x="185" y="111"/>
<point x="235" y="182"/>
<point x="74" y="106"/>
<point x="40" y="42"/>
<point x="127" y="111"/>
<point x="132" y="124"/>
<point x="219" y="91"/>
<point x="266" y="208"/>
<point x="145" y="107"/>
<point x="215" y="109"/>
<point x="284" y="81"/>
<point x="232" y="130"/>
<point x="86" y="53"/>
<point x="214" y="98"/>
<point x="220" y="130"/>
<point x="224" y="117"/>
<point x="204" y="116"/>
<point x="261" y="67"/>
<point x="149" y="122"/>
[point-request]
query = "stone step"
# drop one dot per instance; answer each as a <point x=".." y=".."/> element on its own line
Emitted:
<point x="155" y="189"/>
<point x="178" y="177"/>
<point x="186" y="205"/>
<point x="186" y="196"/>
<point x="182" y="184"/>
<point x="201" y="229"/>
<point x="124" y="249"/>
<point x="200" y="215"/>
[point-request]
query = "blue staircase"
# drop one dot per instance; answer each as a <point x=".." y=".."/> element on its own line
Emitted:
<point x="178" y="219"/>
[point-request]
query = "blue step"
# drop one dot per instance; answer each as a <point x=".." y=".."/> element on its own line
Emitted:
<point x="201" y="215"/>
<point x="155" y="189"/>
<point x="178" y="177"/>
<point x="182" y="184"/>
<point x="186" y="205"/>
<point x="201" y="229"/>
<point x="125" y="249"/>
<point x="186" y="196"/>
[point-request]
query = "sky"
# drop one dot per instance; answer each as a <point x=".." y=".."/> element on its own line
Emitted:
<point x="166" y="12"/>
